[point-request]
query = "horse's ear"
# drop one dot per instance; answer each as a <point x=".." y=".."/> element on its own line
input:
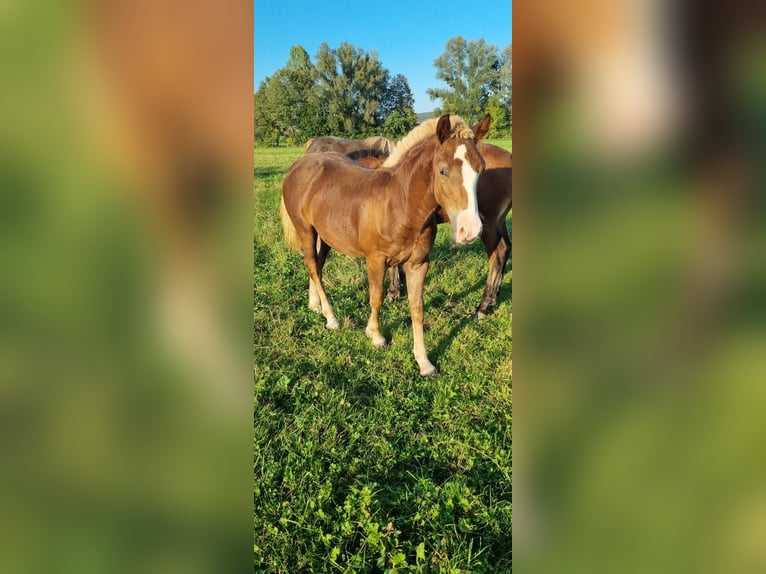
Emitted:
<point x="481" y="129"/>
<point x="443" y="129"/>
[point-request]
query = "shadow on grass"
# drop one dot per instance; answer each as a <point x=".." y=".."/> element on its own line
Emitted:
<point x="268" y="171"/>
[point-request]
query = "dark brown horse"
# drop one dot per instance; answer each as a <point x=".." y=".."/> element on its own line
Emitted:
<point x="494" y="196"/>
<point x="385" y="215"/>
<point x="375" y="146"/>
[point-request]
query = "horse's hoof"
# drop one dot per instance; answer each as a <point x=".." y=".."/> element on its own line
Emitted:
<point x="315" y="308"/>
<point x="332" y="324"/>
<point x="379" y="341"/>
<point x="431" y="372"/>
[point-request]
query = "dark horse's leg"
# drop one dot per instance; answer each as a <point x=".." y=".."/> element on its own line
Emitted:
<point x="376" y="269"/>
<point x="416" y="275"/>
<point x="394" y="287"/>
<point x="312" y="258"/>
<point x="498" y="246"/>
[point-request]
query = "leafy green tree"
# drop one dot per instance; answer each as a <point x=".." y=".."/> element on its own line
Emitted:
<point x="505" y="91"/>
<point x="265" y="130"/>
<point x="500" y="124"/>
<point x="347" y="93"/>
<point x="287" y="103"/>
<point x="398" y="124"/>
<point x="470" y="69"/>
<point x="306" y="107"/>
<point x="397" y="113"/>
<point x="500" y="103"/>
<point x="352" y="84"/>
<point x="397" y="97"/>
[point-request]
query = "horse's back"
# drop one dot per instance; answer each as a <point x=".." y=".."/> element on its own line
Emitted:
<point x="309" y="171"/>
<point x="495" y="157"/>
<point x="494" y="193"/>
<point x="333" y="172"/>
<point x="325" y="144"/>
<point x="332" y="194"/>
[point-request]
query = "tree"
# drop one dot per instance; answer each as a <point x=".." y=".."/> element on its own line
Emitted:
<point x="286" y="103"/>
<point x="352" y="84"/>
<point x="398" y="124"/>
<point x="265" y="130"/>
<point x="505" y="90"/>
<point x="500" y="104"/>
<point x="306" y="107"/>
<point x="506" y="77"/>
<point x="499" y="125"/>
<point x="397" y="113"/>
<point x="347" y="93"/>
<point x="471" y="72"/>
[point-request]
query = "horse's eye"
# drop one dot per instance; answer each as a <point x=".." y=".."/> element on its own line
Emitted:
<point x="443" y="171"/>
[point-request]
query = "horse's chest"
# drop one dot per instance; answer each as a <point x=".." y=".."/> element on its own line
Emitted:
<point x="415" y="246"/>
<point x="423" y="245"/>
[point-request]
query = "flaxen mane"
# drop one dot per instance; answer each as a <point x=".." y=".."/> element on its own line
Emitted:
<point x="423" y="132"/>
<point x="380" y="144"/>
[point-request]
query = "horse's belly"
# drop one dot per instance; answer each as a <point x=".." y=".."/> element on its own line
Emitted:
<point x="339" y="235"/>
<point x="340" y="244"/>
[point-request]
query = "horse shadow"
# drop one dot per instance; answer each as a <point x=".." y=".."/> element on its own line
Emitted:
<point x="267" y="171"/>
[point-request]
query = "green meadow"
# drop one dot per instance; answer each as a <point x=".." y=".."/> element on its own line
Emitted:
<point x="360" y="464"/>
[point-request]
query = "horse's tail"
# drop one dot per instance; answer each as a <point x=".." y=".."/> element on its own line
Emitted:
<point x="291" y="234"/>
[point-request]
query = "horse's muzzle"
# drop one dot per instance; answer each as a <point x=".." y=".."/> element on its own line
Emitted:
<point x="467" y="226"/>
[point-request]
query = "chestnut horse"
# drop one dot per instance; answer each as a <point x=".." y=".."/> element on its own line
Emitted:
<point x="385" y="215"/>
<point x="494" y="195"/>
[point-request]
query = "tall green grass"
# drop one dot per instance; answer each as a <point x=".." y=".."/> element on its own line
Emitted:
<point x="361" y="465"/>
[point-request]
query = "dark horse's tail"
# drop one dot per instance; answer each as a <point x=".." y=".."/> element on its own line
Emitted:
<point x="291" y="235"/>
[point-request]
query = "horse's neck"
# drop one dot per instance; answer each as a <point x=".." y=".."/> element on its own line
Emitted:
<point x="417" y="187"/>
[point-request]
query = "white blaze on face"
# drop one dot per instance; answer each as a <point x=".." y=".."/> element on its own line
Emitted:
<point x="467" y="222"/>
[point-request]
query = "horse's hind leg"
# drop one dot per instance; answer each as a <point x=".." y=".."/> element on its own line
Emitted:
<point x="394" y="285"/>
<point x="314" y="303"/>
<point x="376" y="269"/>
<point x="498" y="246"/>
<point x="312" y="260"/>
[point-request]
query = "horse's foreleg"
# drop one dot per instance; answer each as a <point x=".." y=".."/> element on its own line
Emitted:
<point x="376" y="269"/>
<point x="312" y="260"/>
<point x="394" y="288"/>
<point x="416" y="275"/>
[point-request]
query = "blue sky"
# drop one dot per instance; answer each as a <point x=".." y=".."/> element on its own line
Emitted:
<point x="407" y="36"/>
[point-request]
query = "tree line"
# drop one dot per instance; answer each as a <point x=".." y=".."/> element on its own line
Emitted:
<point x="347" y="92"/>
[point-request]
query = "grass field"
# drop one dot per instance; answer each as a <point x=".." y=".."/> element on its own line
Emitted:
<point x="361" y="465"/>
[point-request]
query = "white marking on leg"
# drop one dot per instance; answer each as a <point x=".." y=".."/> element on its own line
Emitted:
<point x="314" y="303"/>
<point x="427" y="368"/>
<point x="374" y="334"/>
